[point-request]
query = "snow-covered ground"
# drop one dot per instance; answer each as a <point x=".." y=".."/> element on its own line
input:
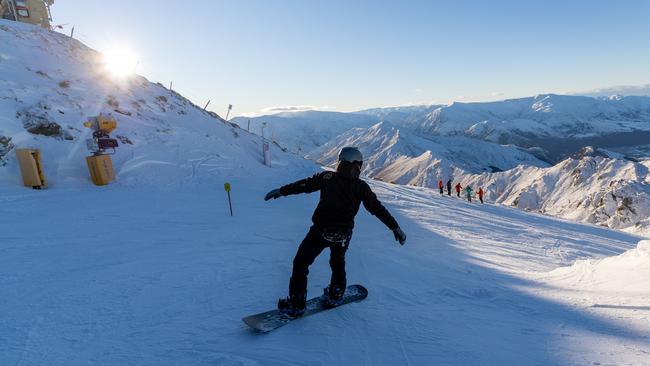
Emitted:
<point x="135" y="276"/>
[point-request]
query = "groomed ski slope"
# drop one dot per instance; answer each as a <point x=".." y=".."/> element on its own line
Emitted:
<point x="122" y="275"/>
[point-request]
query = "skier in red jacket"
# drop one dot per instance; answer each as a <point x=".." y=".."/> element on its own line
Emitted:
<point x="458" y="188"/>
<point x="441" y="187"/>
<point x="480" y="194"/>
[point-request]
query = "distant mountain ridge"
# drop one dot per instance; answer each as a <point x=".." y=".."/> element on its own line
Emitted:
<point x="542" y="153"/>
<point x="556" y="125"/>
<point x="397" y="155"/>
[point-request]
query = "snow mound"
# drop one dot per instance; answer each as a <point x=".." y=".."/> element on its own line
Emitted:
<point x="627" y="272"/>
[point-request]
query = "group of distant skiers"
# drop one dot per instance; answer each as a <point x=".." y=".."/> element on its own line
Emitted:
<point x="468" y="190"/>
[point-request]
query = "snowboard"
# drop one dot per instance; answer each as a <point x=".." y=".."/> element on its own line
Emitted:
<point x="270" y="320"/>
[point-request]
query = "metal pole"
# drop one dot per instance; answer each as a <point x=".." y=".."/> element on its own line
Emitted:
<point x="228" y="113"/>
<point x="229" y="203"/>
<point x="249" y="125"/>
<point x="72" y="32"/>
<point x="206" y="104"/>
<point x="13" y="10"/>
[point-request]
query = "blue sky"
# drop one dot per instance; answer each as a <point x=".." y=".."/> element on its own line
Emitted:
<point x="350" y="55"/>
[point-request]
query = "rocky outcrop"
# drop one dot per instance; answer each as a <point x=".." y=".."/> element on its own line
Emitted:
<point x="38" y="122"/>
<point x="5" y="147"/>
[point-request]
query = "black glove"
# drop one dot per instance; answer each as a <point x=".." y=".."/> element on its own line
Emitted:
<point x="273" y="194"/>
<point x="399" y="236"/>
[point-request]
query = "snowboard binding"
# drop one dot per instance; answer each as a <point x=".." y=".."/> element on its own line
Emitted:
<point x="292" y="306"/>
<point x="333" y="296"/>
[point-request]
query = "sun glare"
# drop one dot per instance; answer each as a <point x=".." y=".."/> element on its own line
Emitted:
<point x="120" y="62"/>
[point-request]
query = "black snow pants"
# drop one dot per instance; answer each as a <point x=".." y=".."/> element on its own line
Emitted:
<point x="313" y="244"/>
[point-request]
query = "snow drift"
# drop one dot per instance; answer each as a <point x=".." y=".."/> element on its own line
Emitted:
<point x="625" y="274"/>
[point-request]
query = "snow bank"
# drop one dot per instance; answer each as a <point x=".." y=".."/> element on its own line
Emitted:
<point x="628" y="272"/>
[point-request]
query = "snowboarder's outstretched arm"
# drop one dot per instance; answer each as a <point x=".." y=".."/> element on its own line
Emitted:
<point x="372" y="204"/>
<point x="307" y="185"/>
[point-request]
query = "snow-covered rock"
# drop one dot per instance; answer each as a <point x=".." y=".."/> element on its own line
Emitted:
<point x="592" y="189"/>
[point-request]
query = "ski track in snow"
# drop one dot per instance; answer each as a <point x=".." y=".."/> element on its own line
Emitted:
<point x="164" y="277"/>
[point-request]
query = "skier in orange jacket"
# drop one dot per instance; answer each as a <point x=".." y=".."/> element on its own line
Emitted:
<point x="441" y="186"/>
<point x="480" y="193"/>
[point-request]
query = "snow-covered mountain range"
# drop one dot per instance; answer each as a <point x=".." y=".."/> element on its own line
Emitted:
<point x="555" y="126"/>
<point x="593" y="186"/>
<point x="301" y="132"/>
<point x="465" y="142"/>
<point x="398" y="155"/>
<point x="623" y="90"/>
<point x="559" y="124"/>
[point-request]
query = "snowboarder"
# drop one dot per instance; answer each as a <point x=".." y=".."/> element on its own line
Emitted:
<point x="449" y="187"/>
<point x="440" y="186"/>
<point x="480" y="194"/>
<point x="458" y="188"/>
<point x="469" y="191"/>
<point x="341" y="193"/>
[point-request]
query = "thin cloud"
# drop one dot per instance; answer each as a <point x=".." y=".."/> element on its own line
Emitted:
<point x="625" y="90"/>
<point x="295" y="108"/>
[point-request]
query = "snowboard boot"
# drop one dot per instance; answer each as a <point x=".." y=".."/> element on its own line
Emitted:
<point x="333" y="296"/>
<point x="293" y="306"/>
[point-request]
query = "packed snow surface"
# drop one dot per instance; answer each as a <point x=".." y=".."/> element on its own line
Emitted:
<point x="133" y="276"/>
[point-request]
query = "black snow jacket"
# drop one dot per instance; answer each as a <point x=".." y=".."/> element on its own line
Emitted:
<point x="340" y="198"/>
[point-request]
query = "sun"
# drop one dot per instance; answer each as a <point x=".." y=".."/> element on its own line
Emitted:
<point x="120" y="62"/>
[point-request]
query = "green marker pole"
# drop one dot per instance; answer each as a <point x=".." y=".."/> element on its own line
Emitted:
<point x="226" y="186"/>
